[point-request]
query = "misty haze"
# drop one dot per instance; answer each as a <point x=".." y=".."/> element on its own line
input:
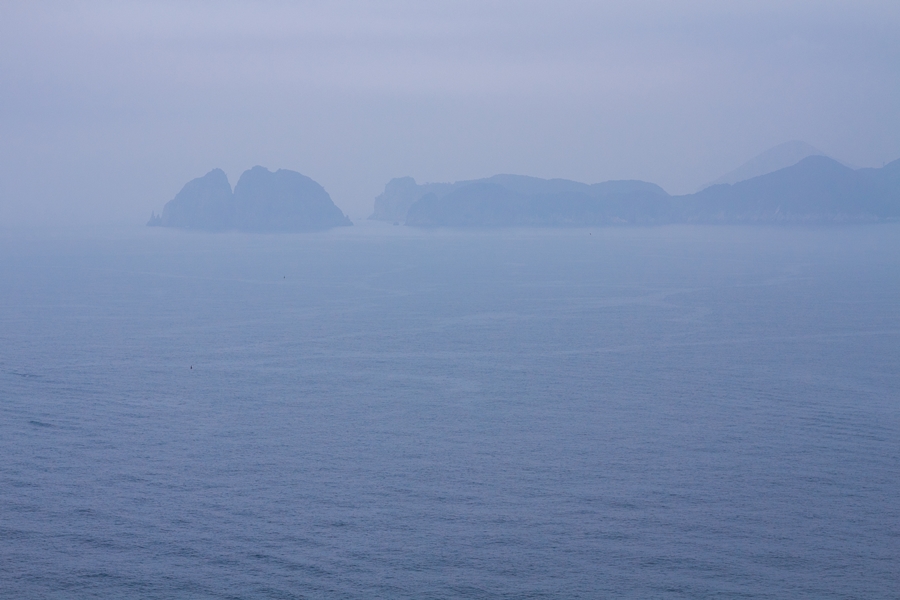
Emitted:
<point x="456" y="300"/>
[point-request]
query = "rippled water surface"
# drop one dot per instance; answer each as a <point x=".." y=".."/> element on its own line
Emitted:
<point x="379" y="412"/>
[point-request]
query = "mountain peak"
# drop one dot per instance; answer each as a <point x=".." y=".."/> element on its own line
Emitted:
<point x="780" y="157"/>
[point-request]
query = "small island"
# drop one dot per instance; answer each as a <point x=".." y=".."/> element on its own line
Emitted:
<point x="262" y="201"/>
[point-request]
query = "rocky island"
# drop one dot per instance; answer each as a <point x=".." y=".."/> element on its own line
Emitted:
<point x="262" y="201"/>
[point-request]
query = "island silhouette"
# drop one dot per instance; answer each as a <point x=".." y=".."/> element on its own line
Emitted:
<point x="262" y="201"/>
<point x="816" y="189"/>
<point x="812" y="188"/>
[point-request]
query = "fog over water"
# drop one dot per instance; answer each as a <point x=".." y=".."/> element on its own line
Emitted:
<point x="378" y="411"/>
<point x="108" y="108"/>
<point x="616" y="402"/>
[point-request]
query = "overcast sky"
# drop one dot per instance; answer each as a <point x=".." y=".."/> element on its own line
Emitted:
<point x="107" y="109"/>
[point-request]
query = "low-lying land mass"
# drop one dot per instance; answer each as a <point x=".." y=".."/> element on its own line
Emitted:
<point x="817" y="189"/>
<point x="262" y="201"/>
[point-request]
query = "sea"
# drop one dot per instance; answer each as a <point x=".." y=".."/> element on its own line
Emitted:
<point x="379" y="411"/>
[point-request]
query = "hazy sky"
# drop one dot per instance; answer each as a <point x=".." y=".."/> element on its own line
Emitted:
<point x="107" y="109"/>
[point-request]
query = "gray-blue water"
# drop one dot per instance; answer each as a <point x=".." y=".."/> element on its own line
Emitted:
<point x="379" y="412"/>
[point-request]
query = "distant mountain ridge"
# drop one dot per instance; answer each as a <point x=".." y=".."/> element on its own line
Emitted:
<point x="817" y="189"/>
<point x="780" y="157"/>
<point x="262" y="201"/>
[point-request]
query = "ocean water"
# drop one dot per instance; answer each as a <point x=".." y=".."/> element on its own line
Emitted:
<point x="381" y="412"/>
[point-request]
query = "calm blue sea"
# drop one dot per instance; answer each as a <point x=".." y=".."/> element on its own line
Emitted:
<point x="381" y="412"/>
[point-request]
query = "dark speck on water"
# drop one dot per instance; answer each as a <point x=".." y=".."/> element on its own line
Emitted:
<point x="671" y="412"/>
